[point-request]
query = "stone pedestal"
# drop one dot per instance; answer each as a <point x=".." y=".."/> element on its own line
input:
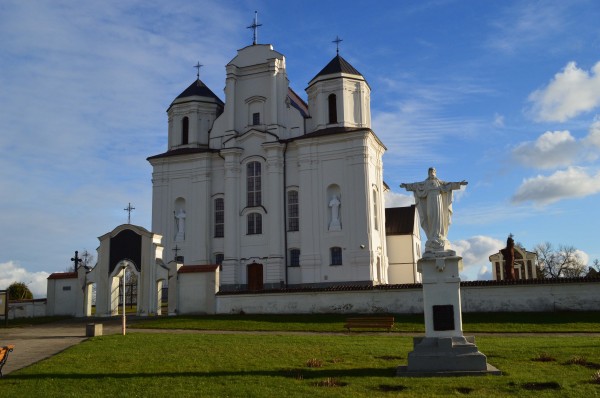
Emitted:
<point x="93" y="329"/>
<point x="444" y="351"/>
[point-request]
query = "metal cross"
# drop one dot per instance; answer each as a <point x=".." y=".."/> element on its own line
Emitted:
<point x="176" y="250"/>
<point x="337" y="44"/>
<point x="198" y="66"/>
<point x="255" y="26"/>
<point x="128" y="209"/>
<point x="76" y="260"/>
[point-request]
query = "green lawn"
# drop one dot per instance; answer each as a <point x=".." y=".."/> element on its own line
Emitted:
<point x="255" y="365"/>
<point x="569" y="322"/>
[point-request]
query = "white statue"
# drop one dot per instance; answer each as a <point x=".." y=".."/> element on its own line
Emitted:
<point x="335" y="224"/>
<point x="434" y="202"/>
<point x="180" y="223"/>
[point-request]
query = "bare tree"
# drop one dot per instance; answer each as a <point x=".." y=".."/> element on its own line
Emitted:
<point x="562" y="262"/>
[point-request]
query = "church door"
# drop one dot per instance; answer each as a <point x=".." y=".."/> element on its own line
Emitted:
<point x="255" y="276"/>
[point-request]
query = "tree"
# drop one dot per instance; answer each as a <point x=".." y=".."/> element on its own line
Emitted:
<point x="19" y="291"/>
<point x="562" y="262"/>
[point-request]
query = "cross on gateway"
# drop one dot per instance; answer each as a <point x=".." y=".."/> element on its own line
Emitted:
<point x="76" y="260"/>
<point x="128" y="209"/>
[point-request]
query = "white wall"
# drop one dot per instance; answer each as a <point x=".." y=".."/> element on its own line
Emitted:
<point x="576" y="296"/>
<point x="27" y="308"/>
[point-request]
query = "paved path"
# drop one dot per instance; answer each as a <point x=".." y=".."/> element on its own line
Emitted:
<point x="38" y="342"/>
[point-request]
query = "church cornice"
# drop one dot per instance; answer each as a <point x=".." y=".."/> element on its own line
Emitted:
<point x="180" y="152"/>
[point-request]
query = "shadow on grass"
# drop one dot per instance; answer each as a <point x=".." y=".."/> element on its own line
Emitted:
<point x="307" y="374"/>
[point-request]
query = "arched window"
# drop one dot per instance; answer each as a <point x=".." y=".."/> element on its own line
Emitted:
<point x="219" y="218"/>
<point x="253" y="184"/>
<point x="185" y="130"/>
<point x="336" y="255"/>
<point x="332" y="101"/>
<point x="292" y="210"/>
<point x="375" y="215"/>
<point x="254" y="224"/>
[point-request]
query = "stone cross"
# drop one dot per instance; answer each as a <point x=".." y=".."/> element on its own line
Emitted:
<point x="176" y="250"/>
<point x="76" y="260"/>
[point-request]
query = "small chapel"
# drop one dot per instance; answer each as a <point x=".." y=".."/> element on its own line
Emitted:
<point x="276" y="191"/>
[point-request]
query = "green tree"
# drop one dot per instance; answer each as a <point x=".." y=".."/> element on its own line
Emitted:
<point x="19" y="291"/>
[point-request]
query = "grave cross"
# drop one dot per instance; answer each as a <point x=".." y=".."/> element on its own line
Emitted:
<point x="254" y="27"/>
<point x="198" y="66"/>
<point x="337" y="42"/>
<point x="128" y="209"/>
<point x="76" y="260"/>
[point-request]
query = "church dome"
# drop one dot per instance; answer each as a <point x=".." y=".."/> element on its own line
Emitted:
<point x="335" y="66"/>
<point x="197" y="89"/>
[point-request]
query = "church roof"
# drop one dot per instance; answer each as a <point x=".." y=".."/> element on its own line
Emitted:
<point x="337" y="65"/>
<point x="400" y="220"/>
<point x="180" y="151"/>
<point x="199" y="89"/>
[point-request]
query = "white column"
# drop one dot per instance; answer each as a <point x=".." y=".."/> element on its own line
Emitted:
<point x="231" y="250"/>
<point x="276" y="223"/>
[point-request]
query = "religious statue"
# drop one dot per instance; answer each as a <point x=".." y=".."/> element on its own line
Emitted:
<point x="509" y="259"/>
<point x="180" y="223"/>
<point x="335" y="224"/>
<point x="433" y="198"/>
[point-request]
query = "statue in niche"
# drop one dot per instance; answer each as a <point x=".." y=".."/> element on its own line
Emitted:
<point x="509" y="259"/>
<point x="335" y="204"/>
<point x="180" y="224"/>
<point x="433" y="198"/>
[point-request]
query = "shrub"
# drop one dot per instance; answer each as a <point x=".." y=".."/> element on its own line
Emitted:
<point x="19" y="291"/>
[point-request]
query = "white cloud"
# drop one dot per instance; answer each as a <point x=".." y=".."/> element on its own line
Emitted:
<point x="36" y="281"/>
<point x="573" y="182"/>
<point x="395" y="199"/>
<point x="498" y="120"/>
<point x="475" y="252"/>
<point x="571" y="92"/>
<point x="551" y="149"/>
<point x="593" y="137"/>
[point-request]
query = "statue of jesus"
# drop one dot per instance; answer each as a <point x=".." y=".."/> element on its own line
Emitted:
<point x="433" y="198"/>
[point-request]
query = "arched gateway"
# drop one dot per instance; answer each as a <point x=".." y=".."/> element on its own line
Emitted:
<point x="138" y="250"/>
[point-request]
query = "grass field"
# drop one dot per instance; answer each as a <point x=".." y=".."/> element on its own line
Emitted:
<point x="338" y="365"/>
<point x="254" y="365"/>
<point x="559" y="322"/>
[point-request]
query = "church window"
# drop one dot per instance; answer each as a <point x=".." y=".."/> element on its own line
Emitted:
<point x="294" y="257"/>
<point x="256" y="118"/>
<point x="332" y="102"/>
<point x="293" y="215"/>
<point x="185" y="130"/>
<point x="253" y="184"/>
<point x="254" y="224"/>
<point x="336" y="255"/>
<point x="375" y="218"/>
<point x="219" y="218"/>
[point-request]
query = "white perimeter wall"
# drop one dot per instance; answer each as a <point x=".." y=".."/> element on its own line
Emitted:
<point x="505" y="298"/>
<point x="26" y="309"/>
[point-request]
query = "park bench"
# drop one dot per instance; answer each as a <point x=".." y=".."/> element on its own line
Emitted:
<point x="4" y="355"/>
<point x="371" y="322"/>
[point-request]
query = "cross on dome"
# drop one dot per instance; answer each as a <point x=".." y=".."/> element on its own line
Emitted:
<point x="337" y="42"/>
<point x="198" y="66"/>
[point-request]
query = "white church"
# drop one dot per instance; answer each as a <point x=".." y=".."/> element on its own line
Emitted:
<point x="277" y="191"/>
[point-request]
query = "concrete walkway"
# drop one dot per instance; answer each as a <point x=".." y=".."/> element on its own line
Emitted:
<point x="38" y="342"/>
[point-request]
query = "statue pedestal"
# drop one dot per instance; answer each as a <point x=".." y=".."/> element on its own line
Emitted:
<point x="444" y="351"/>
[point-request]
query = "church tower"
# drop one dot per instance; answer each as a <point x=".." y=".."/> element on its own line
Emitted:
<point x="339" y="96"/>
<point x="191" y="116"/>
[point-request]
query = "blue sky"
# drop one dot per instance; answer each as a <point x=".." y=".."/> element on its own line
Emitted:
<point x="503" y="94"/>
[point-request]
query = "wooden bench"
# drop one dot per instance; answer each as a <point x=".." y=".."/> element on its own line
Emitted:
<point x="4" y="355"/>
<point x="371" y="322"/>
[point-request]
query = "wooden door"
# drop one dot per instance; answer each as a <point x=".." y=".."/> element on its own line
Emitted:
<point x="255" y="276"/>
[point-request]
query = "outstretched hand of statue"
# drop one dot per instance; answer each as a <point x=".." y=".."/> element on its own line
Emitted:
<point x="463" y="182"/>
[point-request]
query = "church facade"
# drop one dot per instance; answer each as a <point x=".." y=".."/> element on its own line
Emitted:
<point x="277" y="191"/>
